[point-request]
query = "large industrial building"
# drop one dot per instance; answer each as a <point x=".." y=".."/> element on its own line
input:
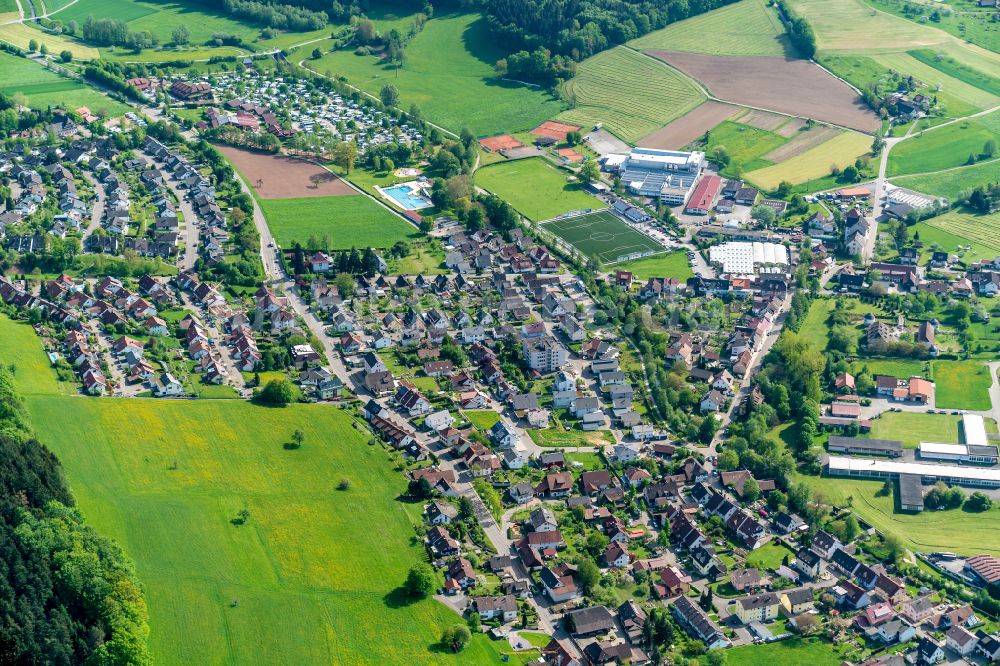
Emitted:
<point x="870" y="468"/>
<point x="745" y="258"/>
<point x="669" y="175"/>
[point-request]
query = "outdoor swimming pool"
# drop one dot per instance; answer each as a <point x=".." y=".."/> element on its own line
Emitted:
<point x="406" y="196"/>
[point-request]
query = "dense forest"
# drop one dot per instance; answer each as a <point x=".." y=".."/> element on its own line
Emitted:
<point x="67" y="594"/>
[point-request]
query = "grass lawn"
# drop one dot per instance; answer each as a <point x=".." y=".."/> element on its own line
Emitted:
<point x="962" y="385"/>
<point x="745" y="145"/>
<point x="743" y="28"/>
<point x="670" y="264"/>
<point x="484" y="419"/>
<point x="953" y="183"/>
<point x="604" y="236"/>
<point x="768" y="556"/>
<point x="589" y="461"/>
<point x="900" y="367"/>
<point x="44" y="88"/>
<point x="944" y="148"/>
<point x="347" y="221"/>
<point x="630" y="93"/>
<point x="571" y="438"/>
<point x="22" y="349"/>
<point x="911" y="428"/>
<point x="310" y="578"/>
<point x="536" y="188"/>
<point x="815" y="652"/>
<point x="955" y="531"/>
<point x="449" y="75"/>
<point x="21" y="34"/>
<point x="814" y="163"/>
<point x="536" y="638"/>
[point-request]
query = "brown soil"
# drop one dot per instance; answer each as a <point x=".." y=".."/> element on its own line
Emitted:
<point x="554" y="130"/>
<point x="281" y="177"/>
<point x="689" y="127"/>
<point x="796" y="87"/>
<point x="764" y="120"/>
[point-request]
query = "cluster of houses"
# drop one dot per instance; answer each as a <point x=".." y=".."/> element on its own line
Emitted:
<point x="283" y="105"/>
<point x="31" y="191"/>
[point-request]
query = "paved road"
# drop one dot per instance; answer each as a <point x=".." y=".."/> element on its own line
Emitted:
<point x="97" y="212"/>
<point x="755" y="364"/>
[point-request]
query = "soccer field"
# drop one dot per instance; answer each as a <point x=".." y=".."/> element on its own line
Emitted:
<point x="604" y="236"/>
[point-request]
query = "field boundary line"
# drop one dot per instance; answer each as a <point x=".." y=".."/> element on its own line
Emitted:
<point x="712" y="97"/>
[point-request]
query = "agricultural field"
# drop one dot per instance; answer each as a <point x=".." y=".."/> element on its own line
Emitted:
<point x="953" y="66"/>
<point x="745" y="144"/>
<point x="657" y="94"/>
<point x="449" y="75"/>
<point x="982" y="232"/>
<point x="44" y="88"/>
<point x="976" y="27"/>
<point x="944" y="147"/>
<point x="309" y="577"/>
<point x="786" y="85"/>
<point x="602" y="235"/>
<point x="851" y="25"/>
<point x="537" y="189"/>
<point x="280" y="177"/>
<point x="670" y="264"/>
<point x="962" y="385"/>
<point x="347" y="221"/>
<point x="689" y="127"/>
<point x="934" y="237"/>
<point x="815" y="163"/>
<point x="161" y="19"/>
<point x="955" y="531"/>
<point x="953" y="182"/>
<point x="959" y="98"/>
<point x="21" y="34"/>
<point x="746" y="28"/>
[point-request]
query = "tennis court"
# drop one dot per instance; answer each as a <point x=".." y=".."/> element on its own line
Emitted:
<point x="605" y="236"/>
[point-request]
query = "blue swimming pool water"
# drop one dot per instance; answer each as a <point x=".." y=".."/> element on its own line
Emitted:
<point x="402" y="195"/>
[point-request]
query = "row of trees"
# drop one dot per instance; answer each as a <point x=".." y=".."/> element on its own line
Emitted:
<point x="275" y="15"/>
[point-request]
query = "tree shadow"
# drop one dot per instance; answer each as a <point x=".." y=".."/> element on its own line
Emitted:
<point x="398" y="598"/>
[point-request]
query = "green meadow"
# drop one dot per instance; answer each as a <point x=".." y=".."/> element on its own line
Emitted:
<point x="536" y="188"/>
<point x="449" y="74"/>
<point x="311" y="577"/>
<point x="747" y="28"/>
<point x="944" y="148"/>
<point x="671" y="264"/>
<point x="347" y="221"/>
<point x="44" y="88"/>
<point x="956" y="531"/>
<point x="954" y="182"/>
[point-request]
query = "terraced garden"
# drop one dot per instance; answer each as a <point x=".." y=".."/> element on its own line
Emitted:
<point x="630" y="93"/>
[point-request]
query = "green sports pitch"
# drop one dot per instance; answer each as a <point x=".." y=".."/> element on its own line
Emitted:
<point x="603" y="235"/>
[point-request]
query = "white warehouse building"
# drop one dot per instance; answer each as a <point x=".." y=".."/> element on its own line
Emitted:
<point x="667" y="174"/>
<point x="869" y="468"/>
<point x="745" y="258"/>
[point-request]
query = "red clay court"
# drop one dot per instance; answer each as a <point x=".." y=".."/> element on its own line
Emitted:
<point x="554" y="130"/>
<point x="495" y="144"/>
<point x="570" y="155"/>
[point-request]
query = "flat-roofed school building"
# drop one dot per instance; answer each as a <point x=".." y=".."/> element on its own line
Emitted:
<point x="890" y="448"/>
<point x="871" y="468"/>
